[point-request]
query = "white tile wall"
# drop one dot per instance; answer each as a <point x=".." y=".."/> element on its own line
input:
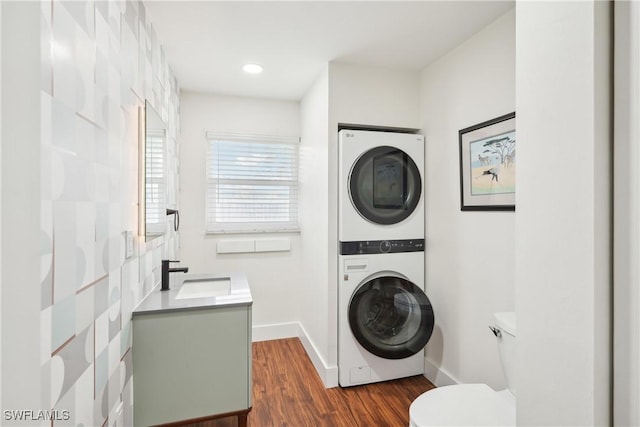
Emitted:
<point x="100" y="61"/>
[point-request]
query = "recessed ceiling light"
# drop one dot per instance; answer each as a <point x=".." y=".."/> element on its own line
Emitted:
<point x="252" y="68"/>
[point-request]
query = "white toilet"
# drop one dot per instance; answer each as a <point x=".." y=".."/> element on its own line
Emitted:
<point x="474" y="404"/>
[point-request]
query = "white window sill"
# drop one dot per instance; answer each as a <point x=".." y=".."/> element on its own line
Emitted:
<point x="252" y="231"/>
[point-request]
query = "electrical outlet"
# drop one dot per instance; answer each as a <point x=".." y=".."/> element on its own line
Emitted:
<point x="128" y="244"/>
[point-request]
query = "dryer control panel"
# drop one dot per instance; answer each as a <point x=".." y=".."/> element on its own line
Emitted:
<point x="381" y="246"/>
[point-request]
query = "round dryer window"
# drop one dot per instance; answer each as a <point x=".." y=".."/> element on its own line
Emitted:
<point x="391" y="317"/>
<point x="385" y="185"/>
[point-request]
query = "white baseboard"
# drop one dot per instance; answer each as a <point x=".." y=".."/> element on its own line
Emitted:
<point x="328" y="374"/>
<point x="436" y="375"/>
<point x="275" y="331"/>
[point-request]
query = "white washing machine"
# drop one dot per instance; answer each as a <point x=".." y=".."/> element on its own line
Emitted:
<point x="384" y="317"/>
<point x="380" y="185"/>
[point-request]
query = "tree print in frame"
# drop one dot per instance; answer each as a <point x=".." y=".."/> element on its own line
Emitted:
<point x="488" y="165"/>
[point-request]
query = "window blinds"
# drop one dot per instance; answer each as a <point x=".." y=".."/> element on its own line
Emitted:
<point x="155" y="176"/>
<point x="252" y="184"/>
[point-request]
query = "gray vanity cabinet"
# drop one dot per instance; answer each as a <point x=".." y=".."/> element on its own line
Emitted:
<point x="191" y="364"/>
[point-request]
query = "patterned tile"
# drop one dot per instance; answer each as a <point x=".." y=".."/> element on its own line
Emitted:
<point x="101" y="366"/>
<point x="85" y="314"/>
<point x="46" y="254"/>
<point x="66" y="405"/>
<point x="63" y="322"/>
<point x="82" y="13"/>
<point x="83" y="407"/>
<point x="99" y="62"/>
<point x="76" y="357"/>
<point x="46" y="330"/>
<point x="66" y="81"/>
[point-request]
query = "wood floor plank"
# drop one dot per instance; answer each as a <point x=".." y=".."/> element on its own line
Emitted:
<point x="287" y="392"/>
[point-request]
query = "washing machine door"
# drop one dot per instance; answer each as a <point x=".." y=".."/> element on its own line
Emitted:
<point x="385" y="185"/>
<point x="391" y="317"/>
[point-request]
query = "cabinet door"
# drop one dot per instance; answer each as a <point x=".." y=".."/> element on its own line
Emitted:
<point x="191" y="364"/>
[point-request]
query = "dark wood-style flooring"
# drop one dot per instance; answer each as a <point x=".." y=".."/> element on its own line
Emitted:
<point x="287" y="391"/>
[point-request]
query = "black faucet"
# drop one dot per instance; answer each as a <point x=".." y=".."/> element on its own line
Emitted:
<point x="165" y="273"/>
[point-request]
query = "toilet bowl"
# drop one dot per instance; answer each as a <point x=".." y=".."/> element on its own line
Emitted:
<point x="473" y="404"/>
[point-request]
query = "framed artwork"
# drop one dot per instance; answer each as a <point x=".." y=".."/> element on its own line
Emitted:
<point x="488" y="165"/>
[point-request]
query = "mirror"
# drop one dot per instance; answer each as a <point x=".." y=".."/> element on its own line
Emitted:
<point x="152" y="173"/>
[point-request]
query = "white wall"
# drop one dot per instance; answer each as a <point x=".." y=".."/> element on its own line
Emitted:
<point x="274" y="277"/>
<point x="366" y="96"/>
<point x="563" y="263"/>
<point x="627" y="216"/>
<point x="22" y="380"/>
<point x="74" y="76"/>
<point x="1" y="209"/>
<point x="469" y="255"/>
<point x="343" y="93"/>
<point x="372" y="96"/>
<point x="315" y="299"/>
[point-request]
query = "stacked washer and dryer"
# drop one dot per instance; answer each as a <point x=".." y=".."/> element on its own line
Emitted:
<point x="384" y="316"/>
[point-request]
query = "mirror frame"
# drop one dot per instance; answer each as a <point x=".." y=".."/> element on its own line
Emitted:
<point x="146" y="115"/>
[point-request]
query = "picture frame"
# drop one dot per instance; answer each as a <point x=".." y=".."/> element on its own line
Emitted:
<point x="488" y="165"/>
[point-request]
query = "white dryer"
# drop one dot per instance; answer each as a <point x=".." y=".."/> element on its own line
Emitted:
<point x="384" y="317"/>
<point x="380" y="185"/>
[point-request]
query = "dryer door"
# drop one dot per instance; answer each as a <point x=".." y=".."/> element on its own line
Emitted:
<point x="391" y="317"/>
<point x="385" y="185"/>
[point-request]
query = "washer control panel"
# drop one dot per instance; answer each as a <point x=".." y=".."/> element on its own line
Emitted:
<point x="381" y="246"/>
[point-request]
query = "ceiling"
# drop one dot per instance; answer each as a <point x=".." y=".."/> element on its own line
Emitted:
<point x="207" y="42"/>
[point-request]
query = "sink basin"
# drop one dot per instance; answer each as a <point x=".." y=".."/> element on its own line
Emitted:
<point x="198" y="291"/>
<point x="204" y="288"/>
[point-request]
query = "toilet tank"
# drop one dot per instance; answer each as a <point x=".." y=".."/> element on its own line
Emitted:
<point x="506" y="323"/>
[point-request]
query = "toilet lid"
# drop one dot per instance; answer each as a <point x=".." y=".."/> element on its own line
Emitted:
<point x="463" y="405"/>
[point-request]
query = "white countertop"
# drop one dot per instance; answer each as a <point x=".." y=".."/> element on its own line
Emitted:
<point x="161" y="301"/>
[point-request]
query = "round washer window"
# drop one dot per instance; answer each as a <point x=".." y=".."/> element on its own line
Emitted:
<point x="391" y="317"/>
<point x="385" y="185"/>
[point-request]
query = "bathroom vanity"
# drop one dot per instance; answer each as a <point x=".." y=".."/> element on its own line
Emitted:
<point x="192" y="351"/>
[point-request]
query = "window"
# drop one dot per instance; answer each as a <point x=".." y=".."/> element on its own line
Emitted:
<point x="252" y="184"/>
<point x="155" y="172"/>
